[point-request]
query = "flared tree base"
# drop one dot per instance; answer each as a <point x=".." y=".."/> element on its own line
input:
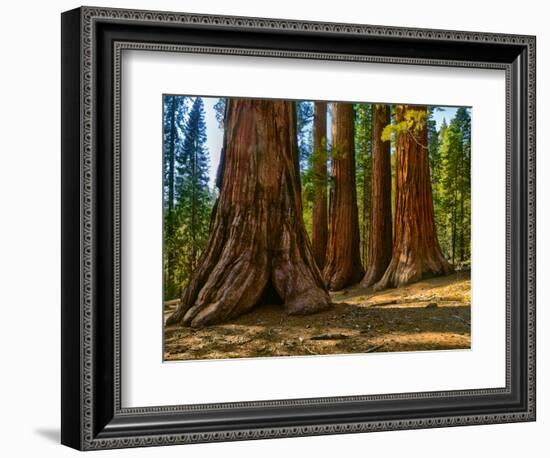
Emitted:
<point x="258" y="235"/>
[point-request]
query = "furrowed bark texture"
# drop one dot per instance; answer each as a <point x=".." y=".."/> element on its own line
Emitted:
<point x="416" y="251"/>
<point x="343" y="260"/>
<point x="319" y="232"/>
<point x="258" y="238"/>
<point x="380" y="235"/>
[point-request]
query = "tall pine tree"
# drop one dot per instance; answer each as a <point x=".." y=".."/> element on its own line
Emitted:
<point x="304" y="137"/>
<point x="463" y="121"/>
<point x="450" y="170"/>
<point x="192" y="192"/>
<point x="174" y="111"/>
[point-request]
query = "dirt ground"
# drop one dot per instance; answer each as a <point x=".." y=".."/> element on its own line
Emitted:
<point x="433" y="314"/>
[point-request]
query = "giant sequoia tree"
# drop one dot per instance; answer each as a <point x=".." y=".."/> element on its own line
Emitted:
<point x="416" y="251"/>
<point x="257" y="240"/>
<point x="343" y="260"/>
<point x="319" y="229"/>
<point x="380" y="234"/>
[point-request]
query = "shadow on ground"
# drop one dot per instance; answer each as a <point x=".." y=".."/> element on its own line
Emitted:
<point x="430" y="315"/>
<point x="53" y="435"/>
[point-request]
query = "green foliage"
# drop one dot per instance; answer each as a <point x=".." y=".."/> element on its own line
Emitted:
<point x="433" y="138"/>
<point x="435" y="141"/>
<point x="363" y="171"/>
<point x="307" y="210"/>
<point x="219" y="107"/>
<point x="188" y="200"/>
<point x="174" y="112"/>
<point x="412" y="123"/>
<point x="304" y="137"/>
<point x="187" y="217"/>
<point x="451" y="187"/>
<point x="304" y="132"/>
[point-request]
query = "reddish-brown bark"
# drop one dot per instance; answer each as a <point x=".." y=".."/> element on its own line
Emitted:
<point x="343" y="260"/>
<point x="416" y="251"/>
<point x="258" y="240"/>
<point x="380" y="235"/>
<point x="319" y="230"/>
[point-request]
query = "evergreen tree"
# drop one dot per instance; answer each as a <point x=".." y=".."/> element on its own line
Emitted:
<point x="304" y="132"/>
<point x="436" y="169"/>
<point x="463" y="121"/>
<point x="174" y="112"/>
<point x="363" y="171"/>
<point x="453" y="214"/>
<point x="450" y="151"/>
<point x="304" y="136"/>
<point x="433" y="147"/>
<point x="194" y="201"/>
<point x="319" y="184"/>
<point x="461" y="124"/>
<point x="219" y="107"/>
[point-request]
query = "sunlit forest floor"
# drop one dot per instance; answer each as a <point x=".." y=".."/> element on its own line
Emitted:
<point x="433" y="314"/>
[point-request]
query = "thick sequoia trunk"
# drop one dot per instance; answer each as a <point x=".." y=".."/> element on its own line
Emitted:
<point x="319" y="231"/>
<point x="343" y="260"/>
<point x="416" y="252"/>
<point x="258" y="240"/>
<point x="380" y="235"/>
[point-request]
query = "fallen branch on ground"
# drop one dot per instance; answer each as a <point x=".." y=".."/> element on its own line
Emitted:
<point x="376" y="347"/>
<point x="461" y="319"/>
<point x="309" y="350"/>
<point x="329" y="337"/>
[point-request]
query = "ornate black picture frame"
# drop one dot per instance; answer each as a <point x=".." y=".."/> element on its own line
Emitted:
<point x="92" y="415"/>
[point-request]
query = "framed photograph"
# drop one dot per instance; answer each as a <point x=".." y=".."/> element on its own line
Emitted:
<point x="276" y="228"/>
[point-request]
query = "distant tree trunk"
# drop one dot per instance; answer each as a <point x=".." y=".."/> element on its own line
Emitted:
<point x="193" y="228"/>
<point x="343" y="261"/>
<point x="416" y="252"/>
<point x="258" y="239"/>
<point x="319" y="232"/>
<point x="455" y="203"/>
<point x="365" y="211"/>
<point x="380" y="236"/>
<point x="461" y="239"/>
<point x="461" y="186"/>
